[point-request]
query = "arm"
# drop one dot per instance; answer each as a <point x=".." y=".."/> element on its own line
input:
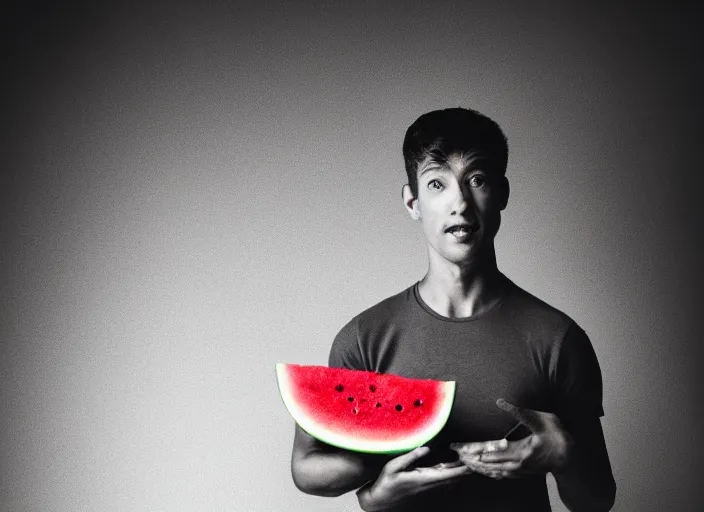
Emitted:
<point x="401" y="480"/>
<point x="576" y="455"/>
<point x="586" y="481"/>
<point x="323" y="470"/>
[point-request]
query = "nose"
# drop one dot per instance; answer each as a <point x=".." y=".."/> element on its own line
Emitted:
<point x="461" y="200"/>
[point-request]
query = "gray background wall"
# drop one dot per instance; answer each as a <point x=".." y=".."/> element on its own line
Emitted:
<point x="193" y="193"/>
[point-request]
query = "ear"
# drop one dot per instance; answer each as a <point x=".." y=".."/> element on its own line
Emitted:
<point x="410" y="202"/>
<point x="505" y="192"/>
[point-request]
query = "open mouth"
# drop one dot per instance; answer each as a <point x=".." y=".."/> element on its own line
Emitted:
<point x="460" y="229"/>
<point x="462" y="233"/>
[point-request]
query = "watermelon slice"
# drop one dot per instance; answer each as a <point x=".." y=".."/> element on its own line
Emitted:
<point x="365" y="411"/>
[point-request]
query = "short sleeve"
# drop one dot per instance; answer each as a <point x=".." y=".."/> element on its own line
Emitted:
<point x="345" y="352"/>
<point x="578" y="388"/>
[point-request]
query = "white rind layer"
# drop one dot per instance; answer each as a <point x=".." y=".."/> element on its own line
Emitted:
<point x="360" y="444"/>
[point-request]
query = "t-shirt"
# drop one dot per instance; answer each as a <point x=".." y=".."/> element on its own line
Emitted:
<point x="522" y="350"/>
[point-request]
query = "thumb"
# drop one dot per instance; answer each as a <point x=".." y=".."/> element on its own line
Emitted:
<point x="403" y="461"/>
<point x="528" y="417"/>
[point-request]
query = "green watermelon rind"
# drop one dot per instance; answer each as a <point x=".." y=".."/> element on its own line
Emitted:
<point x="401" y="445"/>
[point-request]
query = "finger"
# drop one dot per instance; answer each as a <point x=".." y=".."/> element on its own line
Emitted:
<point x="432" y="479"/>
<point x="434" y="474"/>
<point x="453" y="479"/>
<point x="516" y="450"/>
<point x="496" y="474"/>
<point x="505" y="456"/>
<point x="486" y="468"/>
<point x="528" y="417"/>
<point x="447" y="465"/>
<point x="467" y="448"/>
<point x="403" y="461"/>
<point x="495" y="446"/>
<point x="473" y="451"/>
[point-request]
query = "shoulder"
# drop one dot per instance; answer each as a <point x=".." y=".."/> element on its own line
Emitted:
<point x="385" y="312"/>
<point x="536" y="314"/>
<point x="565" y="351"/>
<point x="566" y="341"/>
<point x="388" y="308"/>
<point x="546" y="330"/>
<point x="347" y="347"/>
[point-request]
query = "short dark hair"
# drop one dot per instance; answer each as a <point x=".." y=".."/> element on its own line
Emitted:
<point x="440" y="133"/>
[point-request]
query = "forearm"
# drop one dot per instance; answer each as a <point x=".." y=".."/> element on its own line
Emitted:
<point x="369" y="501"/>
<point x="366" y="500"/>
<point x="331" y="473"/>
<point x="585" y="486"/>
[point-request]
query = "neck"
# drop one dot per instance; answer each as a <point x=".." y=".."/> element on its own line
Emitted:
<point x="460" y="291"/>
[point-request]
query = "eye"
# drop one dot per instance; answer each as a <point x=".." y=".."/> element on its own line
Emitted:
<point x="477" y="180"/>
<point x="435" y="185"/>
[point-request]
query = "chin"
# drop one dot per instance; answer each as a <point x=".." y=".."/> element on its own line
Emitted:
<point x="463" y="257"/>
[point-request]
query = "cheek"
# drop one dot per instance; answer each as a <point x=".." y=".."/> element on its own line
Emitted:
<point x="430" y="224"/>
<point x="487" y="206"/>
<point x="428" y="214"/>
<point x="432" y="205"/>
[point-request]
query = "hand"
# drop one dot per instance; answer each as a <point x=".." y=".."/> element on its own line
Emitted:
<point x="400" y="479"/>
<point x="547" y="449"/>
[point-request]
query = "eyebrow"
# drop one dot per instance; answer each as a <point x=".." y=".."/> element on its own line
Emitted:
<point x="432" y="164"/>
<point x="472" y="166"/>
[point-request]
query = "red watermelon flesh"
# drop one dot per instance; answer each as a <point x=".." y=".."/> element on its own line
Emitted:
<point x="365" y="411"/>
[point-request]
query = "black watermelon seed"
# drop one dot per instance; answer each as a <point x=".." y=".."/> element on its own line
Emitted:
<point x="378" y="404"/>
<point x="418" y="402"/>
<point x="354" y="411"/>
<point x="350" y="399"/>
<point x="372" y="388"/>
<point x="339" y="387"/>
<point x="399" y="407"/>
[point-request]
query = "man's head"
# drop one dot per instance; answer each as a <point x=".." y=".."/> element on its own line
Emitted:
<point x="456" y="164"/>
<point x="438" y="134"/>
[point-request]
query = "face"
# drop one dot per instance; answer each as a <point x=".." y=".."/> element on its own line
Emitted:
<point x="459" y="204"/>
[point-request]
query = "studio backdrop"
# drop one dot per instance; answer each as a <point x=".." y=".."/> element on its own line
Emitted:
<point x="193" y="192"/>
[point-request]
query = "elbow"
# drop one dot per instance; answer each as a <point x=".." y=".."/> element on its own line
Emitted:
<point x="610" y="496"/>
<point x="309" y="484"/>
<point x="317" y="490"/>
<point x="602" y="501"/>
<point x="596" y="497"/>
<point x="607" y="497"/>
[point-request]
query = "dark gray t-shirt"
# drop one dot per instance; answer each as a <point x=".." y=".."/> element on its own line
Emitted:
<point x="522" y="350"/>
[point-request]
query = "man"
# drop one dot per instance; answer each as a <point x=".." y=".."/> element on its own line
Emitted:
<point x="514" y="358"/>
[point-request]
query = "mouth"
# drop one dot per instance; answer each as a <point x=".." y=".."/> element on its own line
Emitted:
<point x="461" y="231"/>
<point x="461" y="228"/>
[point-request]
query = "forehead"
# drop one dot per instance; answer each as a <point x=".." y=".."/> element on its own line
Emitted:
<point x="456" y="161"/>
